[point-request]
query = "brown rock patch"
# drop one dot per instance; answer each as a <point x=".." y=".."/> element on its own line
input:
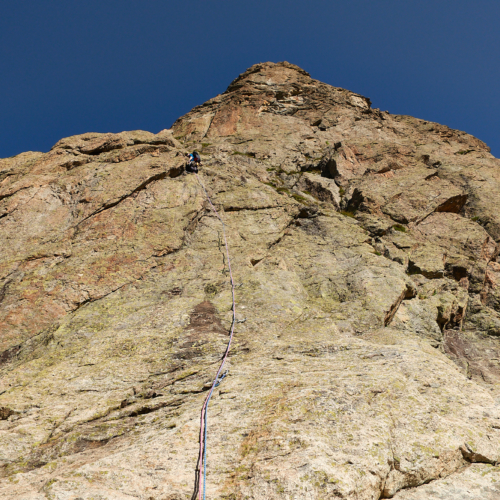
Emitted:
<point x="204" y="319"/>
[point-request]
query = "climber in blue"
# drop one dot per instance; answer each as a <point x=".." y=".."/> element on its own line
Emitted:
<point x="194" y="161"/>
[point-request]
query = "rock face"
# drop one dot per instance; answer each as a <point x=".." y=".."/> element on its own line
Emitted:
<point x="365" y="250"/>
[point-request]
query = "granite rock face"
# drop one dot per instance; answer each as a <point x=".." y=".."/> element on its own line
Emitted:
<point x="365" y="248"/>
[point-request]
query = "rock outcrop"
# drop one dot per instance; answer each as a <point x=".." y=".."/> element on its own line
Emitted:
<point x="365" y="250"/>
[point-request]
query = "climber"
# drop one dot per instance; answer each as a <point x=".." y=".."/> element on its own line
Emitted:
<point x="194" y="161"/>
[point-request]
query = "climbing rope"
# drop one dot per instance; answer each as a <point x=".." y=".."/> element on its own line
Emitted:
<point x="201" y="465"/>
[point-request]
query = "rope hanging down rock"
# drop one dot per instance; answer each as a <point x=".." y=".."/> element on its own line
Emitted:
<point x="201" y="465"/>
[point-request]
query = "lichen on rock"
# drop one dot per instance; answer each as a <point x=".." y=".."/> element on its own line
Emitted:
<point x="365" y="249"/>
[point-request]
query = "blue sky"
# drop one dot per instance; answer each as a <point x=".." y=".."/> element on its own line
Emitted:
<point x="111" y="65"/>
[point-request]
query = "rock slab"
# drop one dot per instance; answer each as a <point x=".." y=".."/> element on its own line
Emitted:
<point x="365" y="250"/>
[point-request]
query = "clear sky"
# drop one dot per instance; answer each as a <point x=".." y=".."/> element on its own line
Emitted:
<point x="71" y="67"/>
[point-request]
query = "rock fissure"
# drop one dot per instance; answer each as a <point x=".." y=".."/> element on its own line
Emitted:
<point x="9" y="195"/>
<point x="368" y="362"/>
<point x="6" y="214"/>
<point x="114" y="203"/>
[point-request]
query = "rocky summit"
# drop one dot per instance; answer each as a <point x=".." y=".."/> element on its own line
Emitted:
<point x="365" y="252"/>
